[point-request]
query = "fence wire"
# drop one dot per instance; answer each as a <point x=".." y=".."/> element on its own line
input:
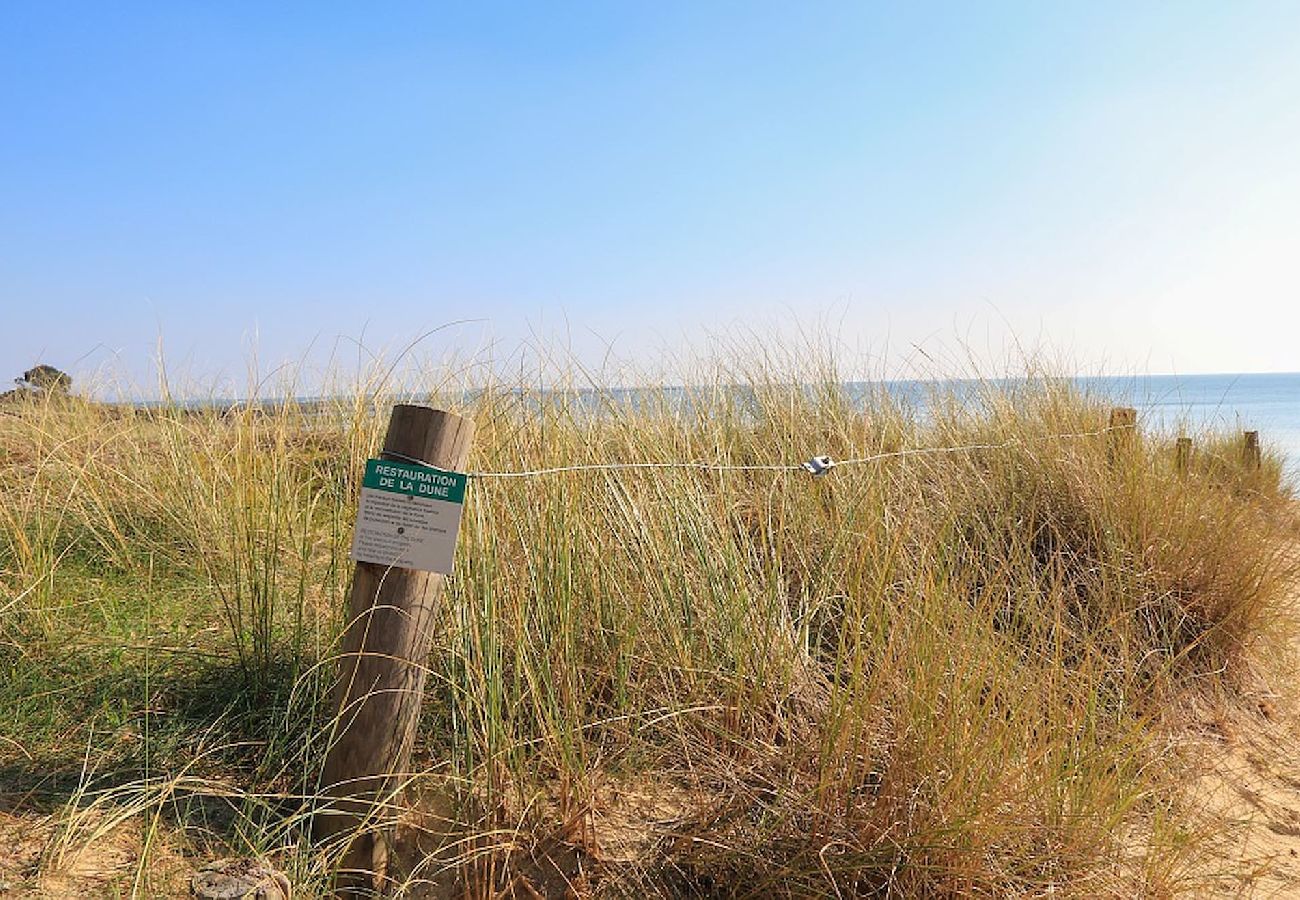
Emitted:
<point x="805" y="467"/>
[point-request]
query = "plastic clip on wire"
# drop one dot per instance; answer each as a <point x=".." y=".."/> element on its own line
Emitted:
<point x="819" y="465"/>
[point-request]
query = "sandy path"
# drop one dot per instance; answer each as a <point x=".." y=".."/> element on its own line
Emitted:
<point x="1250" y="790"/>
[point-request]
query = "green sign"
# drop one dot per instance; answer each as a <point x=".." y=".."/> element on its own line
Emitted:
<point x="416" y="481"/>
<point x="408" y="516"/>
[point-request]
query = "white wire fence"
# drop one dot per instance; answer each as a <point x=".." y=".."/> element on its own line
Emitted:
<point x="816" y="465"/>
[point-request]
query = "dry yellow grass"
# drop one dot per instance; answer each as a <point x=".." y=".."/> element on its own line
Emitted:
<point x="950" y="674"/>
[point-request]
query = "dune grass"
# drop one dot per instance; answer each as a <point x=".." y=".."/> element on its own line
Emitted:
<point x="927" y="675"/>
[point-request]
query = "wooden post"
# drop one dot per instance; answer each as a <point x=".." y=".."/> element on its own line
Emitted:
<point x="382" y="667"/>
<point x="1250" y="450"/>
<point x="1182" y="455"/>
<point x="1123" y="429"/>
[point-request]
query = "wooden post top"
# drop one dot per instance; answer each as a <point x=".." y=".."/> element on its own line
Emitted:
<point x="1123" y="417"/>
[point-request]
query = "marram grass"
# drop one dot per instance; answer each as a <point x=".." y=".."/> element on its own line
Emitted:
<point x="930" y="675"/>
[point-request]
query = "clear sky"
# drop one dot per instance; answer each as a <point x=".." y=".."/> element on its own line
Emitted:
<point x="1119" y="180"/>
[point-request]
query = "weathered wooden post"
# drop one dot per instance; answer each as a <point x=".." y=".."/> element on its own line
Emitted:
<point x="1182" y="456"/>
<point x="1250" y="450"/>
<point x="389" y="631"/>
<point x="1123" y="431"/>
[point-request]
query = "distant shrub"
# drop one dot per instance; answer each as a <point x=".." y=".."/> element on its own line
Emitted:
<point x="41" y="380"/>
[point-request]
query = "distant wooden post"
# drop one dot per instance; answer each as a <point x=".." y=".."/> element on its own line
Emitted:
<point x="1123" y="430"/>
<point x="1250" y="450"/>
<point x="1182" y="455"/>
<point x="382" y="668"/>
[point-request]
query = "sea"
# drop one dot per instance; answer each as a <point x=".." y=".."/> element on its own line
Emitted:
<point x="1171" y="404"/>
<point x="1267" y="403"/>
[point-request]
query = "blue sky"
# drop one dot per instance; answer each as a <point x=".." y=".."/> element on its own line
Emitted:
<point x="1118" y="181"/>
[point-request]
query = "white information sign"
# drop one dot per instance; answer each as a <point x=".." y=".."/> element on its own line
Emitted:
<point x="409" y="516"/>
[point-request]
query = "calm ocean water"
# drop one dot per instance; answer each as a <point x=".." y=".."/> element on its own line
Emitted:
<point x="1191" y="404"/>
<point x="1269" y="404"/>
